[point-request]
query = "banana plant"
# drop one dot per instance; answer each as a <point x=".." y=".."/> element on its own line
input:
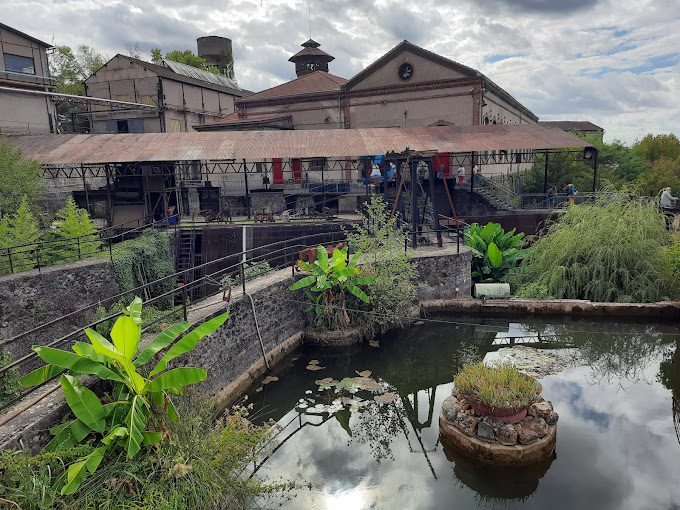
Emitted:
<point x="133" y="417"/>
<point x="328" y="282"/>
<point x="494" y="251"/>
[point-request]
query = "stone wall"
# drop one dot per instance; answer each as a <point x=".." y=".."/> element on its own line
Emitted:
<point x="30" y="298"/>
<point x="443" y="273"/>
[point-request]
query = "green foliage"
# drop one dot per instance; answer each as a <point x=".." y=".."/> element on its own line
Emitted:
<point x="20" y="229"/>
<point x="654" y="147"/>
<point x="153" y="319"/>
<point x="502" y="386"/>
<point x="139" y="261"/>
<point x="673" y="256"/>
<point x="189" y="58"/>
<point x="19" y="177"/>
<point x="251" y="271"/>
<point x="156" y="55"/>
<point x="329" y="282"/>
<point x="70" y="68"/>
<point x="608" y="250"/>
<point x="380" y="242"/>
<point x="9" y="381"/>
<point x="134" y="417"/>
<point x="661" y="173"/>
<point x="75" y="235"/>
<point x="494" y="252"/>
<point x="197" y="468"/>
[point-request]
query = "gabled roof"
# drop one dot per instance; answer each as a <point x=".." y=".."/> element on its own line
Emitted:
<point x="314" y="82"/>
<point x="446" y="62"/>
<point x="166" y="71"/>
<point x="571" y="125"/>
<point x="200" y="74"/>
<point x="408" y="46"/>
<point x="23" y="34"/>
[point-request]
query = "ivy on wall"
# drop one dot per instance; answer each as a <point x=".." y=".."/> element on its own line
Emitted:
<point x="147" y="258"/>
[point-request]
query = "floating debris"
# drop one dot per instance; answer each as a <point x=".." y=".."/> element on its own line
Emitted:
<point x="363" y="373"/>
<point x="385" y="398"/>
<point x="313" y="362"/>
<point x="374" y="343"/>
<point x="269" y="379"/>
<point x="258" y="389"/>
<point x="534" y="362"/>
<point x="314" y="368"/>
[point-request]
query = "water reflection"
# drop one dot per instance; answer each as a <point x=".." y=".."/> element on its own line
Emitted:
<point x="617" y="440"/>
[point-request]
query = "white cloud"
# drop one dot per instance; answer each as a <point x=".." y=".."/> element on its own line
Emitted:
<point x="614" y="63"/>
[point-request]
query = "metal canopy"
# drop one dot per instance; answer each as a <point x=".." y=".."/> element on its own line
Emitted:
<point x="60" y="150"/>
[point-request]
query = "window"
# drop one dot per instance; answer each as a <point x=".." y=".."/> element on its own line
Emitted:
<point x="19" y="64"/>
<point x="175" y="126"/>
<point x="122" y="126"/>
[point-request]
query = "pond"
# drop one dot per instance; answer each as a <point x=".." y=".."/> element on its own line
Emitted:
<point x="616" y="389"/>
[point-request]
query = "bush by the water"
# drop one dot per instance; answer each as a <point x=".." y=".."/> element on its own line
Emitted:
<point x="381" y="243"/>
<point x="609" y="250"/>
<point x="503" y="386"/>
<point x="495" y="252"/>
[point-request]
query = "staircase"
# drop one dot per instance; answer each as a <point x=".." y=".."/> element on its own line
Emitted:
<point x="186" y="253"/>
<point x="501" y="197"/>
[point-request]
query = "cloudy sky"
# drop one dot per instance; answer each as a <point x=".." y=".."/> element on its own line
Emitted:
<point x="614" y="62"/>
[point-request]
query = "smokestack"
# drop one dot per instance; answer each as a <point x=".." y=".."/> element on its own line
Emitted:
<point x="217" y="52"/>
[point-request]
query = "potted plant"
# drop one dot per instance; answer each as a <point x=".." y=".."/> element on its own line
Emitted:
<point x="502" y="392"/>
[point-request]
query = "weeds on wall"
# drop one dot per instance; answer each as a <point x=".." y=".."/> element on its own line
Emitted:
<point x="198" y="468"/>
<point x="9" y="382"/>
<point x="609" y="250"/>
<point x="147" y="258"/>
<point x="381" y="243"/>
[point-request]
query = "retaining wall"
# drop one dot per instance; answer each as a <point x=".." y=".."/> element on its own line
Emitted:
<point x="30" y="298"/>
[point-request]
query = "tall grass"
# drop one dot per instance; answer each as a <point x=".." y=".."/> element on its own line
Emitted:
<point x="610" y="250"/>
<point x="199" y="468"/>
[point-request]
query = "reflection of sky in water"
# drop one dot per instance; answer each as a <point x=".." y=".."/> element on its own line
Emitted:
<point x="616" y="444"/>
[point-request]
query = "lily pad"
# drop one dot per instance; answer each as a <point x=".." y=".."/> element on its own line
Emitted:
<point x="314" y="368"/>
<point x="363" y="373"/>
<point x="374" y="343"/>
<point x="258" y="389"/>
<point x="313" y="362"/>
<point x="270" y="379"/>
<point x="385" y="398"/>
<point x="324" y="381"/>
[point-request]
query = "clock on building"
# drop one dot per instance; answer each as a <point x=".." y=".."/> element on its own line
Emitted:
<point x="405" y="71"/>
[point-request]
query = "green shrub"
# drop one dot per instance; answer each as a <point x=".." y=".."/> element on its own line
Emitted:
<point x="673" y="256"/>
<point x="19" y="178"/>
<point x="609" y="250"/>
<point x="494" y="252"/>
<point x="381" y="243"/>
<point x="74" y="236"/>
<point x="198" y="468"/>
<point x="133" y="419"/>
<point x="145" y="259"/>
<point x="503" y="386"/>
<point x="330" y="282"/>
<point x="19" y="229"/>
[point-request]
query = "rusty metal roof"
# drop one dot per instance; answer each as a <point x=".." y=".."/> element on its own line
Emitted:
<point x="261" y="145"/>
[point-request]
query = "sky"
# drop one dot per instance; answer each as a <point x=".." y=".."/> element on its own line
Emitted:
<point x="613" y="62"/>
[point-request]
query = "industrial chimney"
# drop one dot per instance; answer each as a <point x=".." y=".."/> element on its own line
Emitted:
<point x="216" y="51"/>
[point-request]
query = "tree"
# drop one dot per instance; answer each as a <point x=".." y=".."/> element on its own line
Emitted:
<point x="187" y="57"/>
<point x="663" y="172"/>
<point x="75" y="233"/>
<point x="20" y="177"/>
<point x="156" y="55"/>
<point x="71" y="69"/>
<point x="24" y="232"/>
<point x="654" y="147"/>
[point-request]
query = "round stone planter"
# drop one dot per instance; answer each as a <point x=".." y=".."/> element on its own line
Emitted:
<point x="493" y="441"/>
<point x="504" y="414"/>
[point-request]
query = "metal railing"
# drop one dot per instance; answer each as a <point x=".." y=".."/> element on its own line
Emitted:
<point x="41" y="254"/>
<point x="498" y="191"/>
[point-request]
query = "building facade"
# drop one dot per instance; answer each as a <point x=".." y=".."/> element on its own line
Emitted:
<point x="184" y="96"/>
<point x="24" y="80"/>
<point x="581" y="128"/>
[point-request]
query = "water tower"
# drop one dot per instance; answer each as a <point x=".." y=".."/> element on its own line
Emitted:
<point x="217" y="52"/>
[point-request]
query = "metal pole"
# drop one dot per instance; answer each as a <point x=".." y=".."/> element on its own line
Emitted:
<point x="414" y="204"/>
<point x="545" y="174"/>
<point x="595" y="171"/>
<point x="472" y="172"/>
<point x="87" y="195"/>
<point x="184" y="300"/>
<point x="245" y="178"/>
<point x="79" y="252"/>
<point x="242" y="274"/>
<point x="108" y="194"/>
<point x="435" y="211"/>
<point x="323" y="186"/>
<point x="9" y="258"/>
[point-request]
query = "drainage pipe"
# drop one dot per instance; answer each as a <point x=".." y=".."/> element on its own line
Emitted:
<point x="259" y="335"/>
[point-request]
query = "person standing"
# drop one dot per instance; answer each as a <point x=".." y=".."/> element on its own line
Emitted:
<point x="461" y="175"/>
<point x="571" y="193"/>
<point x="668" y="201"/>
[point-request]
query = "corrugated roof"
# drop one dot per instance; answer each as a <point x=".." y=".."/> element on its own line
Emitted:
<point x="314" y="82"/>
<point x="572" y="125"/>
<point x="260" y="145"/>
<point x="200" y="74"/>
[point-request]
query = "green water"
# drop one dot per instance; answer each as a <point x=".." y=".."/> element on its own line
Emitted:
<point x="618" y="398"/>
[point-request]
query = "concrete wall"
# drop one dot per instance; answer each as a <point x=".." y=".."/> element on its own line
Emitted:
<point x="30" y="298"/>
